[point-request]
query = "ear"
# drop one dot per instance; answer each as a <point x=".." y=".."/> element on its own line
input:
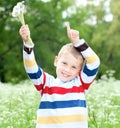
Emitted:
<point x="55" y="61"/>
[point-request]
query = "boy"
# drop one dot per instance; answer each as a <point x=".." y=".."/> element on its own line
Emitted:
<point x="63" y="103"/>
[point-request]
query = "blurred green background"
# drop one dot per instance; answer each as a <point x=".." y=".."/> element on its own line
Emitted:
<point x="98" y="22"/>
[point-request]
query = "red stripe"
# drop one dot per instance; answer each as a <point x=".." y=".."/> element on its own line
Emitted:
<point x="61" y="90"/>
<point x="85" y="85"/>
<point x="40" y="86"/>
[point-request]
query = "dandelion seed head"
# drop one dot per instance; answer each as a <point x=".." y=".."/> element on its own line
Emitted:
<point x="18" y="9"/>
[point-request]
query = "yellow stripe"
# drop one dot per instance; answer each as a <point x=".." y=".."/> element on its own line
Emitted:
<point x="61" y="119"/>
<point x="29" y="63"/>
<point x="92" y="58"/>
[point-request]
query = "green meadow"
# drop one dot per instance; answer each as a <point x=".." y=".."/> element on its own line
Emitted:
<point x="19" y="103"/>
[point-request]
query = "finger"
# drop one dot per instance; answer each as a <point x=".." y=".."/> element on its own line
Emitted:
<point x="68" y="26"/>
<point x="68" y="29"/>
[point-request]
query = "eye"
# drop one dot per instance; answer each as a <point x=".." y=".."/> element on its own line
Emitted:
<point x="64" y="63"/>
<point x="73" y="67"/>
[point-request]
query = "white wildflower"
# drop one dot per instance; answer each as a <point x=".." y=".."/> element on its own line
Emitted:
<point x="22" y="7"/>
<point x="18" y="11"/>
<point x="19" y="8"/>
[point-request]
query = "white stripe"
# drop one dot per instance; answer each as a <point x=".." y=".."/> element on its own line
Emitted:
<point x="28" y="45"/>
<point x="86" y="91"/>
<point x="65" y="97"/>
<point x="82" y="41"/>
<point x="37" y="81"/>
<point x="31" y="69"/>
<point x="58" y="83"/>
<point x="87" y="79"/>
<point x="87" y="53"/>
<point x="28" y="56"/>
<point x="62" y="111"/>
<point x="94" y="65"/>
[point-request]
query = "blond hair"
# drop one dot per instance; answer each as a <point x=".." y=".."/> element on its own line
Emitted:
<point x="69" y="48"/>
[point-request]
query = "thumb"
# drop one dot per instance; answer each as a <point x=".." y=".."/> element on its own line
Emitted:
<point x="68" y="29"/>
<point x="68" y="26"/>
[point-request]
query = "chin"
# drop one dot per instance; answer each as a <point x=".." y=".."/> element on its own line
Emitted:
<point x="66" y="80"/>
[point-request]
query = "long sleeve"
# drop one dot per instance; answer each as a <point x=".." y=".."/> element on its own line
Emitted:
<point x="34" y="72"/>
<point x="92" y="63"/>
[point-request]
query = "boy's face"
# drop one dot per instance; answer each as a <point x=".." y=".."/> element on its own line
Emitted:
<point x="67" y="66"/>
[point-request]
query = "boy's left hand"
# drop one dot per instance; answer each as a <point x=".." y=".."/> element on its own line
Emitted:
<point x="73" y="35"/>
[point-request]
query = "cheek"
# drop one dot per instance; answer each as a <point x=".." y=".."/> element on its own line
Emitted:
<point x="77" y="72"/>
<point x="60" y="66"/>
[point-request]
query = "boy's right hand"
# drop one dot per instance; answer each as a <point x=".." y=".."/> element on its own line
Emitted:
<point x="24" y="32"/>
<point x="73" y="34"/>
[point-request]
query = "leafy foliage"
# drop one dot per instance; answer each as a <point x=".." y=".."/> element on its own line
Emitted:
<point x="46" y="23"/>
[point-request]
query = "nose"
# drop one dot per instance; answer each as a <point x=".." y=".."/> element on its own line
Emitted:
<point x="67" y="69"/>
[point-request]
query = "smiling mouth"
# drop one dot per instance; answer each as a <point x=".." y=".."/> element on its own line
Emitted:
<point x="65" y="75"/>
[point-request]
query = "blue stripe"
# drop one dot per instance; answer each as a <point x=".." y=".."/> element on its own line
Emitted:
<point x="62" y="104"/>
<point x="35" y="75"/>
<point x="89" y="72"/>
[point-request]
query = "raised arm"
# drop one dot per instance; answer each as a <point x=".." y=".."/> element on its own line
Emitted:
<point x="92" y="61"/>
<point x="34" y="72"/>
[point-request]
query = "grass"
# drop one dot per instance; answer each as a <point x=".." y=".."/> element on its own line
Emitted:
<point x="103" y="101"/>
<point x="19" y="103"/>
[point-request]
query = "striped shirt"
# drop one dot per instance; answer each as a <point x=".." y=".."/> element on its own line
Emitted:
<point x="63" y="104"/>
